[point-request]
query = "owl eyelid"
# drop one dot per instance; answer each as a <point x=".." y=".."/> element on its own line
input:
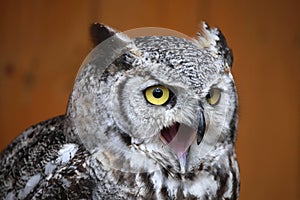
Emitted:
<point x="215" y="87"/>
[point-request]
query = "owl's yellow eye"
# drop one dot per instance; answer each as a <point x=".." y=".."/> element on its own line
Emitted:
<point x="157" y="95"/>
<point x="213" y="97"/>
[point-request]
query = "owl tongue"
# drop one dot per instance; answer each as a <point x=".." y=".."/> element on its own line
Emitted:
<point x="169" y="133"/>
<point x="179" y="137"/>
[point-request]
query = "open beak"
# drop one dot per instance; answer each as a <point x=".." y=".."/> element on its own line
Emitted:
<point x="180" y="136"/>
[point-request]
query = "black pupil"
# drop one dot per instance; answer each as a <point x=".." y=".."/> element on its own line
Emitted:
<point x="210" y="94"/>
<point x="157" y="92"/>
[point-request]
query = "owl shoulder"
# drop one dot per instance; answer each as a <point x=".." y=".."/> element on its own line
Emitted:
<point x="43" y="161"/>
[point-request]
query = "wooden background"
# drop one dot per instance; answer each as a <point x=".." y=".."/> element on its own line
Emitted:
<point x="42" y="44"/>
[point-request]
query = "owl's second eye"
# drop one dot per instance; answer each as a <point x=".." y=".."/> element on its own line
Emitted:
<point x="157" y="95"/>
<point x="213" y="97"/>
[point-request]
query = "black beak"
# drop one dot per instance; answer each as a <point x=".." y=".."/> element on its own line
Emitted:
<point x="201" y="127"/>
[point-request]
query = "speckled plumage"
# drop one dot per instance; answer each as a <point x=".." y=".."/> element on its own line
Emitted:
<point x="109" y="144"/>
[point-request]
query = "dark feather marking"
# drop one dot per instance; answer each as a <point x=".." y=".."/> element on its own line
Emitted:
<point x="99" y="33"/>
<point x="148" y="185"/>
<point x="126" y="138"/>
<point x="120" y="64"/>
<point x="165" y="172"/>
<point x="235" y="182"/>
<point x="178" y="176"/>
<point x="190" y="176"/>
<point x="222" y="177"/>
<point x="233" y="122"/>
<point x="225" y="51"/>
<point x="179" y="194"/>
<point x="164" y="192"/>
<point x="191" y="197"/>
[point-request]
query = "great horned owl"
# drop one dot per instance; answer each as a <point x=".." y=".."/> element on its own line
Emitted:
<point x="152" y="117"/>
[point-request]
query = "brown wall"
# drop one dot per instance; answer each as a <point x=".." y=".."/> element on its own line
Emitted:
<point x="42" y="44"/>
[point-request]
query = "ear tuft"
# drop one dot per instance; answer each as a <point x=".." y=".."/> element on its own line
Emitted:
<point x="100" y="32"/>
<point x="213" y="40"/>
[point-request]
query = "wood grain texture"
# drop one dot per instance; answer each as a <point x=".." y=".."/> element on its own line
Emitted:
<point x="44" y="42"/>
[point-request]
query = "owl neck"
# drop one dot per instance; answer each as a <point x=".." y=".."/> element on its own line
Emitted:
<point x="215" y="178"/>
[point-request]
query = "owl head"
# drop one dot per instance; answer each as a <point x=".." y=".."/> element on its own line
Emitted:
<point x="155" y="102"/>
